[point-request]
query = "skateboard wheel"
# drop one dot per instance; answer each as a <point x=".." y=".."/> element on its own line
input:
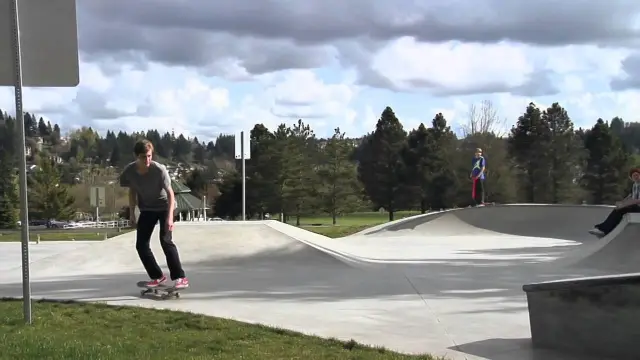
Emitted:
<point x="155" y="291"/>
<point x="177" y="295"/>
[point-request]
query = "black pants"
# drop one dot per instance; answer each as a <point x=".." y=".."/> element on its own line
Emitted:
<point x="478" y="189"/>
<point x="615" y="217"/>
<point x="146" y="223"/>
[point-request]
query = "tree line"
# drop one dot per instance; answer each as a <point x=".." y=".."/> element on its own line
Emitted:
<point x="543" y="158"/>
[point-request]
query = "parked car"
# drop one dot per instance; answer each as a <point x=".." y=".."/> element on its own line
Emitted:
<point x="55" y="224"/>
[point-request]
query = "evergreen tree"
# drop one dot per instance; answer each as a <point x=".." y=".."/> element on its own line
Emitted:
<point x="605" y="176"/>
<point x="528" y="146"/>
<point x="278" y="152"/>
<point x="337" y="174"/>
<point x="564" y="154"/>
<point x="441" y="165"/>
<point x="9" y="198"/>
<point x="229" y="203"/>
<point x="43" y="130"/>
<point x="416" y="156"/>
<point x="198" y="151"/>
<point x="381" y="167"/>
<point x="262" y="171"/>
<point x="49" y="198"/>
<point x="301" y="178"/>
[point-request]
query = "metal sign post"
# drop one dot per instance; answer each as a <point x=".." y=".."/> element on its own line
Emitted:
<point x="97" y="200"/>
<point x="244" y="179"/>
<point x="22" y="163"/>
<point x="43" y="39"/>
<point x="243" y="152"/>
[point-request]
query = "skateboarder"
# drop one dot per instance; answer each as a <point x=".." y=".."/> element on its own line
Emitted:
<point x="150" y="189"/>
<point x="630" y="204"/>
<point x="477" y="175"/>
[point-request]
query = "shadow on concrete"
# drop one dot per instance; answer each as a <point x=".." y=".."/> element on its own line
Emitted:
<point x="483" y="279"/>
<point x="307" y="274"/>
<point x="554" y="252"/>
<point x="514" y="349"/>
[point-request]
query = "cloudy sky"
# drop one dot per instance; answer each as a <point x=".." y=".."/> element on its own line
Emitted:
<point x="209" y="67"/>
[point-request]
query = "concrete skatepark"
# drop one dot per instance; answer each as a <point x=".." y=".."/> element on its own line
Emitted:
<point x="448" y="283"/>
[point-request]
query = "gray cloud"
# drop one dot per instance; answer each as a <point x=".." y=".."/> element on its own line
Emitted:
<point x="631" y="79"/>
<point x="542" y="22"/>
<point x="263" y="36"/>
<point x="539" y="83"/>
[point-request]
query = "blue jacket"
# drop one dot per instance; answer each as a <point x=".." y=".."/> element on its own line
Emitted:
<point x="477" y="164"/>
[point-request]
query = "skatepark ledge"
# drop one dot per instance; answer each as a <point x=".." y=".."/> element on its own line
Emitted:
<point x="596" y="315"/>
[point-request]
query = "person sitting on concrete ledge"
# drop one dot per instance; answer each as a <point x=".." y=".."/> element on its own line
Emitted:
<point x="630" y="204"/>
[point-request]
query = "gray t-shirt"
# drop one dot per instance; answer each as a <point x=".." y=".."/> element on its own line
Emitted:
<point x="149" y="187"/>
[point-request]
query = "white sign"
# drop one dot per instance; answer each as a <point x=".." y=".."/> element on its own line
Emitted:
<point x="247" y="145"/>
<point x="48" y="40"/>
<point x="96" y="196"/>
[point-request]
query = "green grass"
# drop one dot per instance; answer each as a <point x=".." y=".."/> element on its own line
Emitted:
<point x="62" y="234"/>
<point x="335" y="232"/>
<point x="360" y="218"/>
<point x="348" y="224"/>
<point x="95" y="331"/>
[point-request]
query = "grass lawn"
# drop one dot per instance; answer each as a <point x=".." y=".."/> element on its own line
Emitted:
<point x="94" y="331"/>
<point x="338" y="231"/>
<point x="347" y="224"/>
<point x="62" y="235"/>
<point x="359" y="218"/>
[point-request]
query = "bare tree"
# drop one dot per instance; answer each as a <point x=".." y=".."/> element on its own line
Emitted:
<point x="483" y="120"/>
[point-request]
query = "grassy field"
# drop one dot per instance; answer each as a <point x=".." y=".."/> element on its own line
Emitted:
<point x="347" y="224"/>
<point x="62" y="234"/>
<point x="95" y="331"/>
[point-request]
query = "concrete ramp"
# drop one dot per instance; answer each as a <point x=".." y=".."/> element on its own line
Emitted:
<point x="618" y="252"/>
<point x="566" y="222"/>
<point x="201" y="244"/>
<point x="451" y="225"/>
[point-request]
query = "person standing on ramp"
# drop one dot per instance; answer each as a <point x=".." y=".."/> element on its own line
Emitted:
<point x="477" y="175"/>
<point x="150" y="189"/>
<point x="630" y="204"/>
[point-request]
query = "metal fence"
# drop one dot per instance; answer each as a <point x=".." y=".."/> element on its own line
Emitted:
<point x="113" y="224"/>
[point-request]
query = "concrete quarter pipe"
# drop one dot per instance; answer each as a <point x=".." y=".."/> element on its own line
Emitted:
<point x="447" y="283"/>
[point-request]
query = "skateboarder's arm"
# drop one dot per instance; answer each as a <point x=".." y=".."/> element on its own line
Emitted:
<point x="124" y="182"/>
<point x="133" y="199"/>
<point x="631" y="199"/>
<point x="482" y="166"/>
<point x="172" y="202"/>
<point x="166" y="181"/>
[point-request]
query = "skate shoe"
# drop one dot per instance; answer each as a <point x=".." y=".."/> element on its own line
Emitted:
<point x="181" y="283"/>
<point x="597" y="232"/>
<point x="157" y="282"/>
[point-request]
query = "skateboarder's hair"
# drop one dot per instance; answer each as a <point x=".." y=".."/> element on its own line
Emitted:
<point x="142" y="146"/>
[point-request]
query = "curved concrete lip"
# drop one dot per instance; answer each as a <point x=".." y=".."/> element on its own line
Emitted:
<point x="404" y="286"/>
